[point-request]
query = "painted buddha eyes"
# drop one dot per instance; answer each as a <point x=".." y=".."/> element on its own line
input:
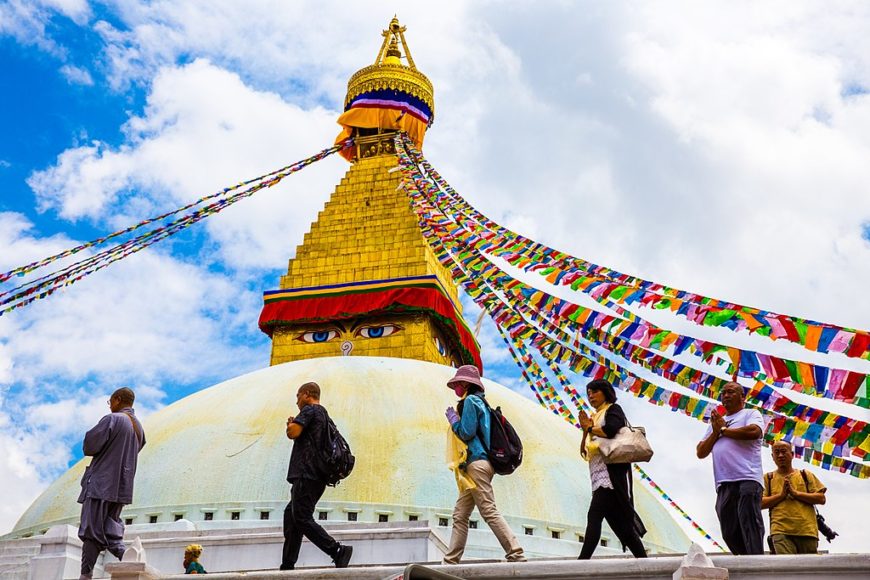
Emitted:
<point x="440" y="346"/>
<point x="368" y="331"/>
<point x="319" y="336"/>
<point x="378" y="331"/>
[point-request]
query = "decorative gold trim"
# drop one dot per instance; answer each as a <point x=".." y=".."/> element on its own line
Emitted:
<point x="395" y="77"/>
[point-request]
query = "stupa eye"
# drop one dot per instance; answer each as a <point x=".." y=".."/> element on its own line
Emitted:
<point x="378" y="331"/>
<point x="440" y="346"/>
<point x="318" y="336"/>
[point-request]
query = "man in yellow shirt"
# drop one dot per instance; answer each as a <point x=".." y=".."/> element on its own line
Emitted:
<point x="791" y="495"/>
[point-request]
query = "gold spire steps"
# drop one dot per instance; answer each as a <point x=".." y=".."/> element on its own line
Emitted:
<point x="364" y="281"/>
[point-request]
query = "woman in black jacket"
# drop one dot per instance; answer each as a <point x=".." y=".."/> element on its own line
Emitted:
<point x="612" y="497"/>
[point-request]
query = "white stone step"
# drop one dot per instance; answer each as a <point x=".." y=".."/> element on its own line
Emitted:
<point x="834" y="566"/>
<point x="15" y="559"/>
<point x="18" y="549"/>
<point x="14" y="572"/>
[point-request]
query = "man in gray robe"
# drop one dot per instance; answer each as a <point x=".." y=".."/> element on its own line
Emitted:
<point x="107" y="485"/>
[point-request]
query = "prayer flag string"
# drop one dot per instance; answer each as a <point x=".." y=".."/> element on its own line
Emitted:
<point x="46" y="285"/>
<point x="816" y="380"/>
<point x="604" y="284"/>
<point x="823" y="451"/>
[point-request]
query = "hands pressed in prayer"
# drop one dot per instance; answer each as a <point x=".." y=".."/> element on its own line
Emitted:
<point x="585" y="420"/>
<point x="717" y="421"/>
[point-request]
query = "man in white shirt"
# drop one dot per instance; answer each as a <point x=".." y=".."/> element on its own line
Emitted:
<point x="735" y="442"/>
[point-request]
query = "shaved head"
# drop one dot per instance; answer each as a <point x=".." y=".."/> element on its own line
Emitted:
<point x="311" y="389"/>
<point x="125" y="395"/>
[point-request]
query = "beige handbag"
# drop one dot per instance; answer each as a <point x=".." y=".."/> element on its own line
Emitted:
<point x="628" y="446"/>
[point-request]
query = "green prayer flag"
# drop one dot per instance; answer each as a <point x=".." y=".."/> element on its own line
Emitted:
<point x="716" y="318"/>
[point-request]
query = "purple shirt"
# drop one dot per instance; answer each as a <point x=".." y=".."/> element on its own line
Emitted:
<point x="114" y="445"/>
<point x="737" y="459"/>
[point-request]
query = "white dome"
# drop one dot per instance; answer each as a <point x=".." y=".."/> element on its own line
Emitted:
<point x="226" y="446"/>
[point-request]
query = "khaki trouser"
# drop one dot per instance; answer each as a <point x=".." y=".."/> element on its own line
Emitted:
<point x="788" y="544"/>
<point x="481" y="473"/>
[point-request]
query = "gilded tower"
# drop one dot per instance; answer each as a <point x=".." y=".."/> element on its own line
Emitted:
<point x="364" y="281"/>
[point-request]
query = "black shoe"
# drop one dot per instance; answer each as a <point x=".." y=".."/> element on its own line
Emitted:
<point x="342" y="557"/>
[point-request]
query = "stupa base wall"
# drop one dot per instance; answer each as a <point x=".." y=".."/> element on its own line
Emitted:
<point x="57" y="554"/>
<point x="383" y="551"/>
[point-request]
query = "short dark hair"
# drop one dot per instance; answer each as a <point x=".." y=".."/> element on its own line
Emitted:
<point x="125" y="395"/>
<point x="311" y="389"/>
<point x="743" y="390"/>
<point x="603" y="386"/>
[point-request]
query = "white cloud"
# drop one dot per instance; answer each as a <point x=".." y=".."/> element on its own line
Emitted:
<point x="76" y="10"/>
<point x="203" y="130"/>
<point x="28" y="21"/>
<point x="76" y="75"/>
<point x="142" y="317"/>
<point x="305" y="48"/>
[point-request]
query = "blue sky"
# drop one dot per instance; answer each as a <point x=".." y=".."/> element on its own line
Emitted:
<point x="723" y="150"/>
<point x="42" y="112"/>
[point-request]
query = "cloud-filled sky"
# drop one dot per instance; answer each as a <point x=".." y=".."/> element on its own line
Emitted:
<point x="723" y="149"/>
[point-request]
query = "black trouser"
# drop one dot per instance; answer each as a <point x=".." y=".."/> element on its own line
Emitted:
<point x="299" y="521"/>
<point x="609" y="505"/>
<point x="738" y="505"/>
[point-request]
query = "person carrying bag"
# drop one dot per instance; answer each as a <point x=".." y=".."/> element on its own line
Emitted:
<point x="612" y="496"/>
<point x="472" y="422"/>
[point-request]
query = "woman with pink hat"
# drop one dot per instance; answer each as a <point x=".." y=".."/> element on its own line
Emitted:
<point x="472" y="425"/>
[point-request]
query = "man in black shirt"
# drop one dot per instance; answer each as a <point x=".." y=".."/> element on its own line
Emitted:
<point x="307" y="484"/>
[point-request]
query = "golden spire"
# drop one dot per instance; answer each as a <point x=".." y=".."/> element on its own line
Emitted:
<point x="393" y="35"/>
<point x="388" y="71"/>
<point x="393" y="54"/>
<point x="364" y="281"/>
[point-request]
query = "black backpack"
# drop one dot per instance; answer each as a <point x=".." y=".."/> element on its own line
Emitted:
<point x="336" y="459"/>
<point x="505" y="447"/>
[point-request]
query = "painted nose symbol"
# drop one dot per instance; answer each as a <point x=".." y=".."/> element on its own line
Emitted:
<point x="346" y="347"/>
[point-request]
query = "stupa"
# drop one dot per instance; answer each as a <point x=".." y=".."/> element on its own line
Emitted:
<point x="366" y="311"/>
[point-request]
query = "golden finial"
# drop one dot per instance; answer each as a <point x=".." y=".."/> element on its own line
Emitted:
<point x="393" y="54"/>
<point x="386" y="96"/>
<point x="389" y="52"/>
<point x="389" y="72"/>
